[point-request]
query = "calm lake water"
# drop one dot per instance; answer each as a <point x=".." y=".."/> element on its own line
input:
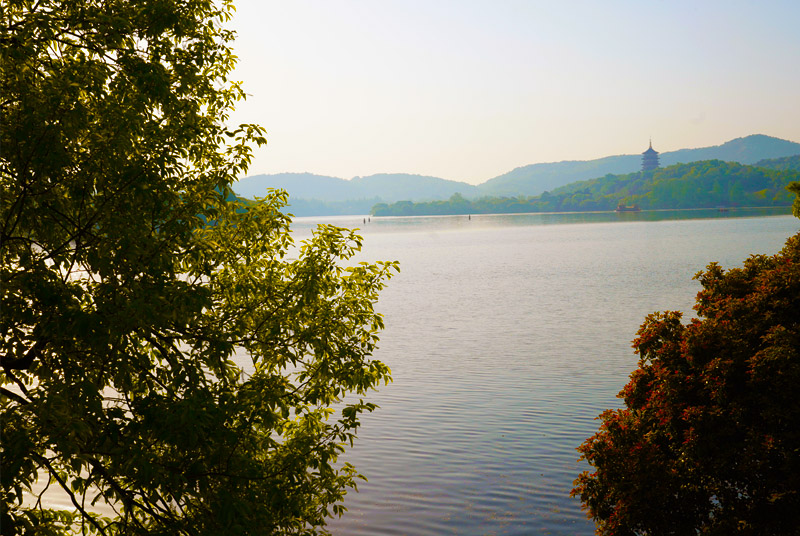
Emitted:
<point x="507" y="335"/>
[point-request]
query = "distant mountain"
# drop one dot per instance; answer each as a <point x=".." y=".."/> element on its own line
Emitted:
<point x="320" y="195"/>
<point x="537" y="178"/>
<point x="311" y="194"/>
<point x="747" y="150"/>
<point x="300" y="185"/>
<point x="403" y="186"/>
<point x="695" y="185"/>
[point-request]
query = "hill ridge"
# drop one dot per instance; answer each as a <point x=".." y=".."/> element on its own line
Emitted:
<point x="313" y="194"/>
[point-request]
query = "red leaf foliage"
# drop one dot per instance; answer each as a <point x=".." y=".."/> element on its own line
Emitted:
<point x="709" y="439"/>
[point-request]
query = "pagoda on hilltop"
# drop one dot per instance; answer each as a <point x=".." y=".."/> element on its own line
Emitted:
<point x="650" y="158"/>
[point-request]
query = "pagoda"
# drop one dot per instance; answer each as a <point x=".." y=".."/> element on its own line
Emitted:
<point x="649" y="158"/>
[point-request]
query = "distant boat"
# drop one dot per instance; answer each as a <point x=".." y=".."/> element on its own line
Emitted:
<point x="627" y="208"/>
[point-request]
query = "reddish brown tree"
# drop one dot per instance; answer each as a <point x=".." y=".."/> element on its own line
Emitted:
<point x="709" y="439"/>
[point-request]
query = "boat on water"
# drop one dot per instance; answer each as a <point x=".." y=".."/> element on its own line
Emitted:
<point x="627" y="208"/>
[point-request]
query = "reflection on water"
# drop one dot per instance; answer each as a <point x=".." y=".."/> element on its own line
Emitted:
<point x="373" y="224"/>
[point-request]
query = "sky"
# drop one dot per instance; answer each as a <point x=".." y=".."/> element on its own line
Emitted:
<point x="468" y="90"/>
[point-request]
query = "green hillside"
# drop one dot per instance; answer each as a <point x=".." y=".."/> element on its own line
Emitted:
<point x="315" y="195"/>
<point x="705" y="184"/>
<point x="782" y="164"/>
<point x="537" y="178"/>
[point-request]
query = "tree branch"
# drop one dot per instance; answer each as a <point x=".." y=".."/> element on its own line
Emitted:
<point x="24" y="362"/>
<point x="84" y="514"/>
<point x="14" y="396"/>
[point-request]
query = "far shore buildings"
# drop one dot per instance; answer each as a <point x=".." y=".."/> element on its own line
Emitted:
<point x="650" y="158"/>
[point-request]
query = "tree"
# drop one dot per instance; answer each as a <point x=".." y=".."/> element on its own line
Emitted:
<point x="795" y="189"/>
<point x="170" y="357"/>
<point x="708" y="441"/>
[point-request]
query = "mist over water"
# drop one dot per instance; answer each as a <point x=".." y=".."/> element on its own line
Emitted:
<point x="507" y="336"/>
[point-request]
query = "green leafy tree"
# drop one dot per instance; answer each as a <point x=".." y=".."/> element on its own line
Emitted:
<point x="708" y="440"/>
<point x="795" y="189"/>
<point x="704" y="184"/>
<point x="171" y="359"/>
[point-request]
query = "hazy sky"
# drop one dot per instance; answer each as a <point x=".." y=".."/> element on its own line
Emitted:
<point x="470" y="89"/>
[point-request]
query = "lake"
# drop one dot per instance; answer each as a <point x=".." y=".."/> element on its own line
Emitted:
<point x="507" y="335"/>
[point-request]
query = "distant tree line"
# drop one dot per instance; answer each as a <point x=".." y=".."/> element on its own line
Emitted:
<point x="783" y="163"/>
<point x="704" y="184"/>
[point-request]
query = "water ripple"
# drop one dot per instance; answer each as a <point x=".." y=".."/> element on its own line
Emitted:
<point x="505" y="343"/>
